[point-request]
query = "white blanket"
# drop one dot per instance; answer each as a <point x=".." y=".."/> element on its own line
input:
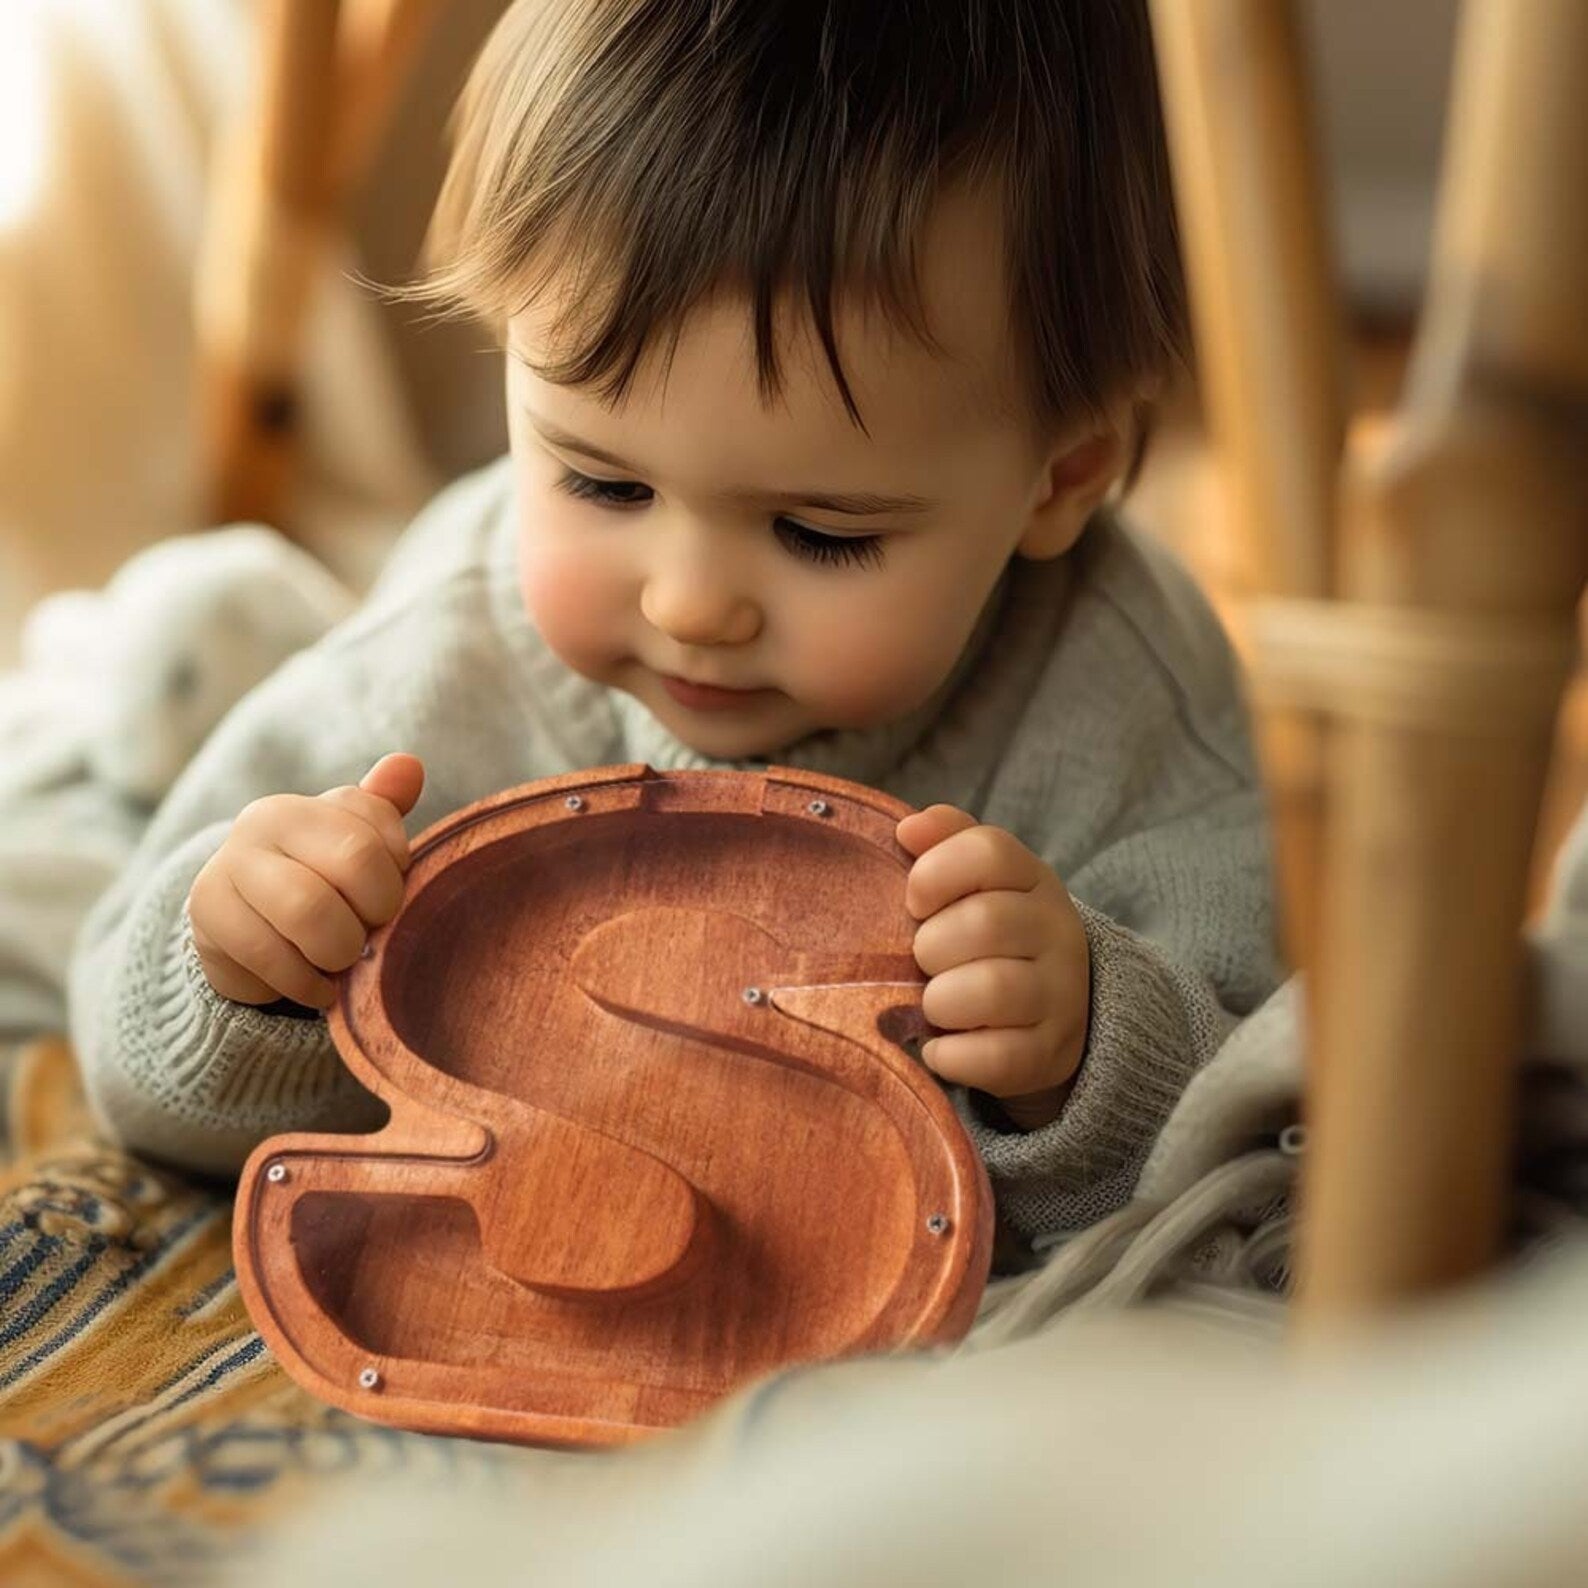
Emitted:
<point x="117" y="690"/>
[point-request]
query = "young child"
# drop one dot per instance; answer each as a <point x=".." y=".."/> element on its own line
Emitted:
<point x="829" y="333"/>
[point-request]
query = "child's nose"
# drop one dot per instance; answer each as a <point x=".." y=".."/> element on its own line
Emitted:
<point x="696" y="606"/>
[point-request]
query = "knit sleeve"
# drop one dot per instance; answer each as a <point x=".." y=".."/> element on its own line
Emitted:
<point x="174" y="1070"/>
<point x="1179" y="922"/>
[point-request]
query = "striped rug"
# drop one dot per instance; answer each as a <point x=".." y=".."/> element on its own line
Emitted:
<point x="146" y="1435"/>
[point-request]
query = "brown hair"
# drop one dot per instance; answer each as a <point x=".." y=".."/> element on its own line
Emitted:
<point x="660" y="149"/>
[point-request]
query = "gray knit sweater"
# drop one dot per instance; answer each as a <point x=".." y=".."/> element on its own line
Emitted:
<point x="1095" y="713"/>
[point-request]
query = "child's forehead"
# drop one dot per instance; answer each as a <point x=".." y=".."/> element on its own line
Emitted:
<point x="704" y="416"/>
<point x="904" y="388"/>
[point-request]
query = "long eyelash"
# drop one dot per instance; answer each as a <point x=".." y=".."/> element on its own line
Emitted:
<point x="593" y="490"/>
<point x="861" y="549"/>
<point x="803" y="541"/>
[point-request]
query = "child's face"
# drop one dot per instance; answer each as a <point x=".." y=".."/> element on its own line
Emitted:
<point x="700" y="545"/>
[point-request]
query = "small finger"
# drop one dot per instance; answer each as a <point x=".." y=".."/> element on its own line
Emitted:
<point x="921" y="829"/>
<point x="258" y="948"/>
<point x="302" y="906"/>
<point x="978" y="859"/>
<point x="987" y="992"/>
<point x="350" y="855"/>
<point x="398" y="778"/>
<point x="230" y="980"/>
<point x="1005" y="1062"/>
<point x="1001" y="924"/>
<point x="277" y="820"/>
<point x="380" y="813"/>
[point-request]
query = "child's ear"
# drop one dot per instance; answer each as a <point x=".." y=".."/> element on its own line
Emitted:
<point x="1078" y="474"/>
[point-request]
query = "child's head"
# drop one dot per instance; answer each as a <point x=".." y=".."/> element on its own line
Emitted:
<point x="816" y="312"/>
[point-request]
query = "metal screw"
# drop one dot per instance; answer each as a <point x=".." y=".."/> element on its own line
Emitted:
<point x="276" y="1173"/>
<point x="937" y="1224"/>
<point x="752" y="995"/>
<point x="819" y="808"/>
<point x="369" y="1379"/>
<point x="574" y="803"/>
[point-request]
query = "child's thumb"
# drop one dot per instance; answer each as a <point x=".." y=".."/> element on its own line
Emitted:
<point x="398" y="778"/>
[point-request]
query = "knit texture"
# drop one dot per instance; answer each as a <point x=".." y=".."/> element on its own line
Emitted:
<point x="1095" y="713"/>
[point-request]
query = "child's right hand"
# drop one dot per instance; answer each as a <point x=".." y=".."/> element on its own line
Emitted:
<point x="293" y="891"/>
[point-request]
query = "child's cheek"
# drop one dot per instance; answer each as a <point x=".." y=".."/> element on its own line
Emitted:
<point x="569" y="600"/>
<point x="873" y="665"/>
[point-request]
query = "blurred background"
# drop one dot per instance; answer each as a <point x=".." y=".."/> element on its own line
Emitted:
<point x="112" y="114"/>
<point x="109" y="115"/>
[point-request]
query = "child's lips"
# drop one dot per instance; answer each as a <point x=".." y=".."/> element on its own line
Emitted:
<point x="707" y="697"/>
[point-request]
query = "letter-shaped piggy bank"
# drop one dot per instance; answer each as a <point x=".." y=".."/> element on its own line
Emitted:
<point x="657" y="1124"/>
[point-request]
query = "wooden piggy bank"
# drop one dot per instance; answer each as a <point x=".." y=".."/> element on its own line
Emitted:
<point x="656" y="1123"/>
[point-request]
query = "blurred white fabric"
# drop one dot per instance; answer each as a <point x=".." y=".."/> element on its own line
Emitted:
<point x="118" y="689"/>
<point x="1132" y="1451"/>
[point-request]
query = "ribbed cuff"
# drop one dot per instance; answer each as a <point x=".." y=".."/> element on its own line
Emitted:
<point x="238" y="1060"/>
<point x="183" y="1075"/>
<point x="1152" y="1024"/>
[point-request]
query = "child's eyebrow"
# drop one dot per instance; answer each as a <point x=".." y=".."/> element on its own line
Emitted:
<point x="859" y="503"/>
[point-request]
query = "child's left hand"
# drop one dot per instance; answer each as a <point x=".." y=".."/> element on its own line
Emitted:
<point x="1007" y="955"/>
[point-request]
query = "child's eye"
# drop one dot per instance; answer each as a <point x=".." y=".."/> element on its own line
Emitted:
<point x="610" y="493"/>
<point x="800" y="539"/>
<point x="808" y="543"/>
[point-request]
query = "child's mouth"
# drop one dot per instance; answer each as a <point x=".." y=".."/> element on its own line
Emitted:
<point x="703" y="697"/>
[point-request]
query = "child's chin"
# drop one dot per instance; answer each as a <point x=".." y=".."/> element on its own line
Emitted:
<point x="714" y="735"/>
<point x="726" y="744"/>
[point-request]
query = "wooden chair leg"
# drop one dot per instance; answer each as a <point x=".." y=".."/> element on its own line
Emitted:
<point x="1250" y="192"/>
<point x="328" y="74"/>
<point x="1464" y="563"/>
<point x="268" y="226"/>
<point x="1442" y="664"/>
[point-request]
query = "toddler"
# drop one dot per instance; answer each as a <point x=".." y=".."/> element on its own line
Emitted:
<point x="830" y="331"/>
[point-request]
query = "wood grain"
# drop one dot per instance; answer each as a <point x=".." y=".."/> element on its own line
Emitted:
<point x="656" y="1128"/>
